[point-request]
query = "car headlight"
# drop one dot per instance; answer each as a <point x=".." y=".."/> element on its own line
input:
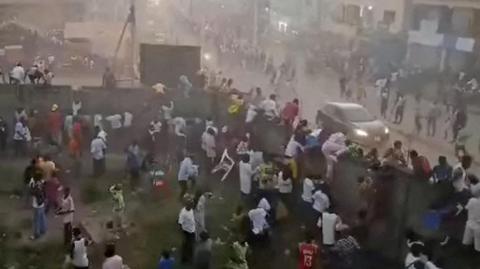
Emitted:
<point x="387" y="131"/>
<point x="361" y="132"/>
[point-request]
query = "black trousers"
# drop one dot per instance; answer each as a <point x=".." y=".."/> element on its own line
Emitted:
<point x="98" y="167"/>
<point x="67" y="233"/>
<point x="188" y="246"/>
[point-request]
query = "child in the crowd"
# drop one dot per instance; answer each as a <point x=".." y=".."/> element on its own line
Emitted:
<point x="166" y="262"/>
<point x="118" y="206"/>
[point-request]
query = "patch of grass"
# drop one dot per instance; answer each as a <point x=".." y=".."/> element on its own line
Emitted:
<point x="91" y="193"/>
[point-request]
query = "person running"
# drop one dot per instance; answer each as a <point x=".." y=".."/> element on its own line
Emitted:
<point x="308" y="253"/>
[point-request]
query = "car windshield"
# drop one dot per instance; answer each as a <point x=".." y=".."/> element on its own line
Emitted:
<point x="357" y="114"/>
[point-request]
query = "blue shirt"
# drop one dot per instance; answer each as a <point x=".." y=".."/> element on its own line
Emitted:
<point x="442" y="173"/>
<point x="166" y="263"/>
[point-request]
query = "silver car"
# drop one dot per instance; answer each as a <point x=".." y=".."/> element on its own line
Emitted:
<point x="355" y="121"/>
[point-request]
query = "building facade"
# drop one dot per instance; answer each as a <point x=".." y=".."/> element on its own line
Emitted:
<point x="349" y="17"/>
<point x="443" y="34"/>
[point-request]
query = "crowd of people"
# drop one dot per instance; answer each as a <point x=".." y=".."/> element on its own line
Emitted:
<point x="274" y="183"/>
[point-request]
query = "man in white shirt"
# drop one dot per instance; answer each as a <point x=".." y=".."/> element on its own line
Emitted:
<point x="167" y="111"/>
<point x="321" y="202"/>
<point x="112" y="261"/>
<point x="17" y="74"/>
<point x="308" y="188"/>
<point x="186" y="220"/>
<point x="20" y="137"/>
<point x="330" y="223"/>
<point x="472" y="227"/>
<point x="258" y="218"/>
<point x="251" y="114"/>
<point x="331" y="149"/>
<point x="459" y="177"/>
<point x="270" y="108"/>
<point x="293" y="148"/>
<point x="246" y="173"/>
<point x="179" y="126"/>
<point x="67" y="207"/>
<point x="187" y="172"/>
<point x="97" y="149"/>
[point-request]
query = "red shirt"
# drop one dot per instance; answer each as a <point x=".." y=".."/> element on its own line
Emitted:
<point x="55" y="122"/>
<point x="308" y="255"/>
<point x="290" y="111"/>
<point x="77" y="132"/>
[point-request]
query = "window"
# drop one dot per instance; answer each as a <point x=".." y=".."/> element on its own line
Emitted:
<point x="352" y="14"/>
<point x="388" y="17"/>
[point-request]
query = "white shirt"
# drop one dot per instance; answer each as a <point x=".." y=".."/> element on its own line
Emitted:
<point x="187" y="169"/>
<point x="208" y="144"/>
<point x="284" y="184"/>
<point x="80" y="258"/>
<point x="320" y="201"/>
<point x="475" y="190"/>
<point x="115" y="121"/>
<point x="18" y="73"/>
<point x="97" y="120"/>
<point x="459" y="178"/>
<point x="115" y="262"/>
<point x="293" y="148"/>
<point x="76" y="106"/>
<point x="186" y="219"/>
<point x="334" y="146"/>
<point x="68" y="124"/>
<point x="97" y="148"/>
<point x="127" y="119"/>
<point x="251" y="114"/>
<point x="20" y="132"/>
<point x="473" y="207"/>
<point x="68" y="205"/>
<point x="410" y="259"/>
<point x="167" y="111"/>
<point x="328" y="223"/>
<point x="264" y="204"/>
<point x="258" y="218"/>
<point x="180" y="125"/>
<point x="270" y="108"/>
<point x="308" y="188"/>
<point x="246" y="173"/>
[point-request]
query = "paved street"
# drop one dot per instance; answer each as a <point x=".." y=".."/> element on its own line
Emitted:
<point x="313" y="92"/>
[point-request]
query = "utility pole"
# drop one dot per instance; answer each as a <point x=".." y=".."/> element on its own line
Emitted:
<point x="133" y="35"/>
<point x="255" y="23"/>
